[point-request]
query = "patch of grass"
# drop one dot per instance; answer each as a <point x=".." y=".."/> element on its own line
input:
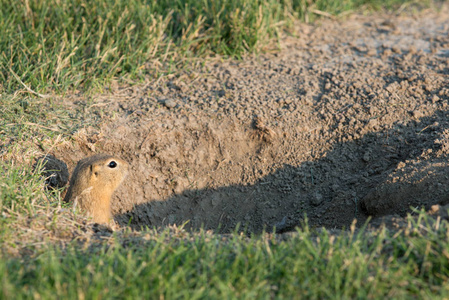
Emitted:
<point x="317" y="265"/>
<point x="19" y="189"/>
<point x="24" y="118"/>
<point x="21" y="194"/>
<point x="60" y="45"/>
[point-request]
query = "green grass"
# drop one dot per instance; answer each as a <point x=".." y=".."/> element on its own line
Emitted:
<point x="55" y="45"/>
<point x="24" y="118"/>
<point x="311" y="265"/>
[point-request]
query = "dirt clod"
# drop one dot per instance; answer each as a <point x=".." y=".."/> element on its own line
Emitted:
<point x="263" y="132"/>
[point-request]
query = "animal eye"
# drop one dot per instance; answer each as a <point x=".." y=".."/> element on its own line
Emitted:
<point x="112" y="164"/>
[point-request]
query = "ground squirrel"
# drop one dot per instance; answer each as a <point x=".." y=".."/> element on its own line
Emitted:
<point x="93" y="181"/>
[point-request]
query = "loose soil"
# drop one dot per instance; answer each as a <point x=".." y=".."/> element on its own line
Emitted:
<point x="348" y="120"/>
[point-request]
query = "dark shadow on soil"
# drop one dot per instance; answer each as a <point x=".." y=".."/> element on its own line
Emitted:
<point x="381" y="173"/>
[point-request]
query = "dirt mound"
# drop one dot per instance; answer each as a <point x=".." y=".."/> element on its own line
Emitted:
<point x="348" y="120"/>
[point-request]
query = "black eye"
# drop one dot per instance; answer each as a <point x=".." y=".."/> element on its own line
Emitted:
<point x="112" y="164"/>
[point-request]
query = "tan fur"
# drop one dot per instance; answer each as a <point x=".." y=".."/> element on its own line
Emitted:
<point x="92" y="184"/>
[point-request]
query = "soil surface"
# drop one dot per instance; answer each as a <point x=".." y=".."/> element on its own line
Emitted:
<point x="348" y="120"/>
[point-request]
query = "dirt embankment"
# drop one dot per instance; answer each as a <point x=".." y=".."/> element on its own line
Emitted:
<point x="349" y="120"/>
